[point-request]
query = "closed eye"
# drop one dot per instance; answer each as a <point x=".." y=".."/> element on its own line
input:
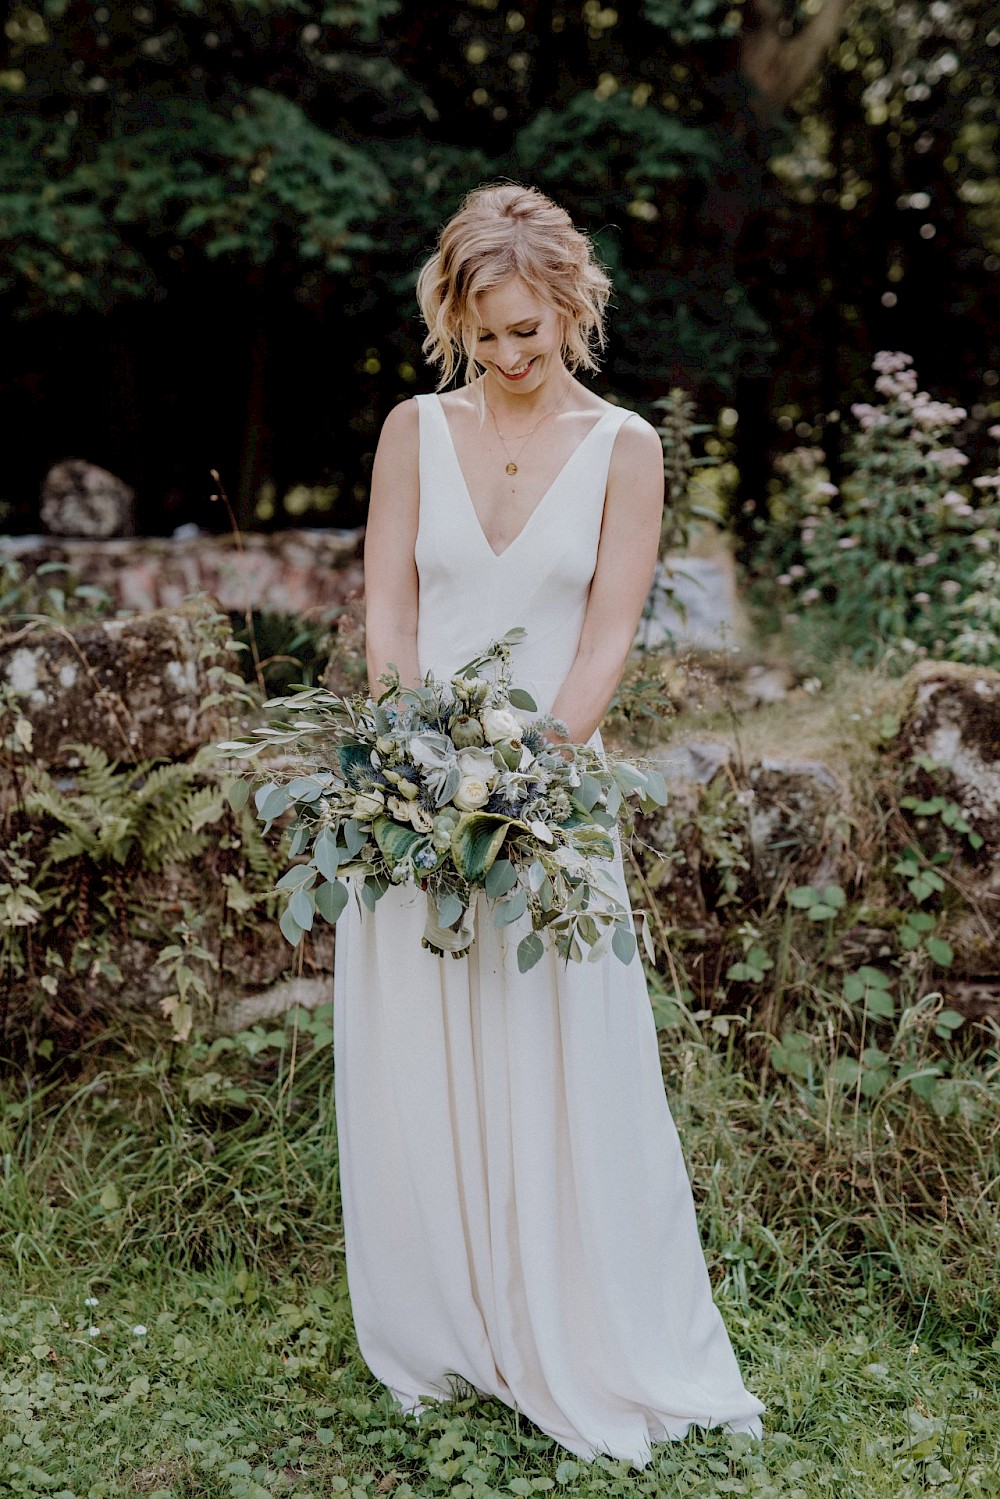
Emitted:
<point x="485" y="337"/>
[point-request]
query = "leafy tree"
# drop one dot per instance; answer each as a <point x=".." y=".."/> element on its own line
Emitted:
<point x="232" y="197"/>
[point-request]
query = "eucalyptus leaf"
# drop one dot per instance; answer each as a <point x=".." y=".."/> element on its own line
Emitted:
<point x="510" y="909"/>
<point x="373" y="890"/>
<point x="305" y="789"/>
<point x="273" y="803"/>
<point x="587" y="792"/>
<point x="331" y="898"/>
<point x="529" y="951"/>
<point x="238" y="794"/>
<point x="326" y="854"/>
<point x="355" y="836"/>
<point x="518" y="698"/>
<point x="290" y="928"/>
<point x="623" y="944"/>
<point x="449" y="910"/>
<point x="500" y="877"/>
<point x="302" y="908"/>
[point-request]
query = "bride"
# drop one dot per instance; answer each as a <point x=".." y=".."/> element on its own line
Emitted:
<point x="517" y="1212"/>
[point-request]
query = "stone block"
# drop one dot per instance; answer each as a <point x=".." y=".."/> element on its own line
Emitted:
<point x="133" y="687"/>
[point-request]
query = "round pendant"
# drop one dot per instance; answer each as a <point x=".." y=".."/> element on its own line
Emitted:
<point x="512" y="468"/>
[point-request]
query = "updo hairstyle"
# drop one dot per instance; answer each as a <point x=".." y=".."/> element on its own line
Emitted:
<point x="500" y="231"/>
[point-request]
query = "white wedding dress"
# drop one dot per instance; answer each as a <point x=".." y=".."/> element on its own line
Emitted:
<point x="517" y="1211"/>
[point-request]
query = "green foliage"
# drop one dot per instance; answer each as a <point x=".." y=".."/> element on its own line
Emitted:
<point x="75" y="847"/>
<point x="245" y="182"/>
<point x="177" y="1319"/>
<point x="882" y="567"/>
<point x="695" y="20"/>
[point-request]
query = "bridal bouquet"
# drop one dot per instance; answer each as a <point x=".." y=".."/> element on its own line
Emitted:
<point x="452" y="787"/>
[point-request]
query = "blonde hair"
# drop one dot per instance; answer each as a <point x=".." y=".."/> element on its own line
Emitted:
<point x="500" y="231"/>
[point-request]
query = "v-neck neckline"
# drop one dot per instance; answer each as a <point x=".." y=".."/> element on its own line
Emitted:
<point x="540" y="503"/>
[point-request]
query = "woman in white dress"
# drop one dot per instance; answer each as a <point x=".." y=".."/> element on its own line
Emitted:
<point x="517" y="1212"/>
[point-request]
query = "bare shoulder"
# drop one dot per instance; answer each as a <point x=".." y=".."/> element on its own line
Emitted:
<point x="401" y="427"/>
<point x="638" y="451"/>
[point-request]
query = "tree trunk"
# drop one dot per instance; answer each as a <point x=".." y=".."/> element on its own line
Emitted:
<point x="780" y="66"/>
<point x="253" y="428"/>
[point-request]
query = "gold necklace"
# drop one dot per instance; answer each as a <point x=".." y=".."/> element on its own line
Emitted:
<point x="511" y="466"/>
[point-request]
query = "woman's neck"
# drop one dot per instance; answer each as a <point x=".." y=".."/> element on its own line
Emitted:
<point x="519" y="411"/>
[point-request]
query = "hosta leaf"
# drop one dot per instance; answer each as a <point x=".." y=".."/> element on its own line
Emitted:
<point x="476" y="842"/>
<point x="395" y="839"/>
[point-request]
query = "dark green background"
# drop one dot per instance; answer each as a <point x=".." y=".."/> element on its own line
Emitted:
<point x="211" y="216"/>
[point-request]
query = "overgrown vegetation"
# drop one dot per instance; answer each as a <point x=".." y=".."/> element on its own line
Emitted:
<point x="108" y="866"/>
<point x="176" y="1321"/>
<point x="899" y="560"/>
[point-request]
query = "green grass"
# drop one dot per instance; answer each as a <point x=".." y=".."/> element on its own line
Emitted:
<point x="853" y="1249"/>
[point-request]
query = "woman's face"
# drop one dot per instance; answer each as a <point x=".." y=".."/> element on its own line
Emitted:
<point x="519" y="340"/>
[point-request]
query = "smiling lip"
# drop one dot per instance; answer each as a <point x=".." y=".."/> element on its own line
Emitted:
<point x="521" y="373"/>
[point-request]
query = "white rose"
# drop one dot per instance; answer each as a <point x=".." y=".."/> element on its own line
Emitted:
<point x="368" y="804"/>
<point x="421" y="819"/>
<point x="476" y="762"/>
<point x="498" y="723"/>
<point x="399" y="809"/>
<point x="472" y="794"/>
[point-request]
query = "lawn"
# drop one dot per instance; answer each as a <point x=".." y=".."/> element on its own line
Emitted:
<point x="174" y="1319"/>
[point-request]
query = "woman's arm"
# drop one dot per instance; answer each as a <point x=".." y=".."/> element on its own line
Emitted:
<point x="390" y="539"/>
<point x="626" y="557"/>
